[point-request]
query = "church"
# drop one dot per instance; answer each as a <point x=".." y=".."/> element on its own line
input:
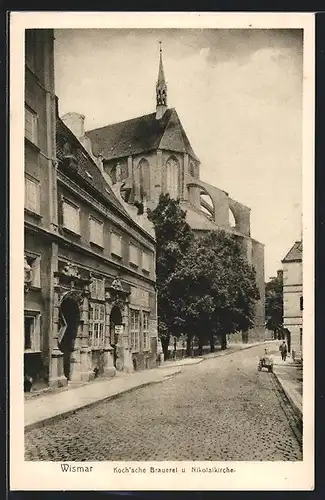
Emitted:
<point x="150" y="155"/>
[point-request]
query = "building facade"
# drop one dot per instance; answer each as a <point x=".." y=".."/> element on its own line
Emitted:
<point x="40" y="201"/>
<point x="90" y="299"/>
<point x="293" y="299"/>
<point x="152" y="154"/>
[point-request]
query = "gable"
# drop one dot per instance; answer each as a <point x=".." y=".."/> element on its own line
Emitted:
<point x="175" y="138"/>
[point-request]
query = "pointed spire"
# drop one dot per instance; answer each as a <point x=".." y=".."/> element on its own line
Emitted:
<point x="161" y="74"/>
<point x="161" y="89"/>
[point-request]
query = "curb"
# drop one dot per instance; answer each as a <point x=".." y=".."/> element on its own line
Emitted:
<point x="44" y="421"/>
<point x="227" y="352"/>
<point x="200" y="359"/>
<point x="296" y="409"/>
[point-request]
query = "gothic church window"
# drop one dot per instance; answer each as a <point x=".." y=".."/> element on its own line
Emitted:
<point x="142" y="180"/>
<point x="172" y="177"/>
<point x="192" y="169"/>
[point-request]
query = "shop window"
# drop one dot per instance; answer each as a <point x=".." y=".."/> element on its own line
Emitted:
<point x="32" y="331"/>
<point x="32" y="194"/>
<point x="71" y="216"/>
<point x="133" y="255"/>
<point x="96" y="232"/>
<point x="134" y="329"/>
<point x="97" y="289"/>
<point x="116" y="244"/>
<point x="33" y="278"/>
<point x="96" y="325"/>
<point x="145" y="331"/>
<point x="31" y="125"/>
<point x="146" y="261"/>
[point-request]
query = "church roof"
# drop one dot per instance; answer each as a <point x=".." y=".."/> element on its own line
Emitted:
<point x="86" y="168"/>
<point x="295" y="253"/>
<point x="140" y="135"/>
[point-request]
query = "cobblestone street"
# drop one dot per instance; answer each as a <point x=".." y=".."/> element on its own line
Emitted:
<point x="221" y="409"/>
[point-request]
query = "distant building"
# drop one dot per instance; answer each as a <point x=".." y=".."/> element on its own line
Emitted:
<point x="90" y="299"/>
<point x="152" y="155"/>
<point x="293" y="298"/>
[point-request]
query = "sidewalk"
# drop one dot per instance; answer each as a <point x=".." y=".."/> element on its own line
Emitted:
<point x="49" y="407"/>
<point x="289" y="376"/>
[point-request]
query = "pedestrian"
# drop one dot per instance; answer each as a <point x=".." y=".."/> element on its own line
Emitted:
<point x="284" y="350"/>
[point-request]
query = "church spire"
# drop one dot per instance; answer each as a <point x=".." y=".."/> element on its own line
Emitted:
<point x="161" y="89"/>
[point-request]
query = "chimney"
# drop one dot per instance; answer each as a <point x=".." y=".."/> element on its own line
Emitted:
<point x="75" y="122"/>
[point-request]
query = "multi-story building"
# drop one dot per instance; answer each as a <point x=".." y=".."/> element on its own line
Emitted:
<point x="90" y="299"/>
<point x="293" y="299"/>
<point x="40" y="201"/>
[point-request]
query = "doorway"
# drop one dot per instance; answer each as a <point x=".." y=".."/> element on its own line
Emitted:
<point x="115" y="319"/>
<point x="288" y="339"/>
<point x="69" y="321"/>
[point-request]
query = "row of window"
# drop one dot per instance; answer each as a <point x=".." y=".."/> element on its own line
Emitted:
<point x="139" y="324"/>
<point x="71" y="222"/>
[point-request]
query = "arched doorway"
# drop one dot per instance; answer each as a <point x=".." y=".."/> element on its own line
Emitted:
<point x="69" y="322"/>
<point x="115" y="319"/>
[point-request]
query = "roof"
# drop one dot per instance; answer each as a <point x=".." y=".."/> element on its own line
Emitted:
<point x="139" y="135"/>
<point x="295" y="253"/>
<point x="86" y="168"/>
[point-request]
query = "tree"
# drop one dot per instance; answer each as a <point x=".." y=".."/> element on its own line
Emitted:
<point x="174" y="237"/>
<point x="274" y="305"/>
<point x="216" y="288"/>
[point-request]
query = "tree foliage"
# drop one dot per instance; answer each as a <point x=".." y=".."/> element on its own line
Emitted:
<point x="174" y="237"/>
<point x="274" y="304"/>
<point x="205" y="286"/>
<point x="216" y="287"/>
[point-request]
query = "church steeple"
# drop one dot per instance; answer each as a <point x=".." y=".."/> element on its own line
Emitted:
<point x="161" y="89"/>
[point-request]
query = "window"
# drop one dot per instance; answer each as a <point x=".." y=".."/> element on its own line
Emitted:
<point x="96" y="232"/>
<point x="134" y="255"/>
<point x="142" y="180"/>
<point x="96" y="325"/>
<point x="34" y="278"/>
<point x="301" y="303"/>
<point x="145" y="329"/>
<point x="97" y="289"/>
<point x="172" y="178"/>
<point x="32" y="331"/>
<point x="30" y="125"/>
<point x="71" y="217"/>
<point x="146" y="262"/>
<point x="116" y="244"/>
<point x="32" y="194"/>
<point x="134" y="329"/>
<point x="191" y="169"/>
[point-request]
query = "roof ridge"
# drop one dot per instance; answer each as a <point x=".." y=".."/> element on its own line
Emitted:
<point x="121" y="122"/>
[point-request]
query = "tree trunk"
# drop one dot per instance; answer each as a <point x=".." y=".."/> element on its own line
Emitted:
<point x="223" y="341"/>
<point x="212" y="345"/>
<point x="164" y="345"/>
<point x="200" y="347"/>
<point x="189" y="352"/>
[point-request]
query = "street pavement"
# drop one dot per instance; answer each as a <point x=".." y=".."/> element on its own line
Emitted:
<point x="221" y="409"/>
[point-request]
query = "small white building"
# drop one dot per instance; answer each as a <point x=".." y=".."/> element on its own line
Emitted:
<point x="293" y="299"/>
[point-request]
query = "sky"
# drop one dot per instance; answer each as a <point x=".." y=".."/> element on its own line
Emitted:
<point x="238" y="94"/>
